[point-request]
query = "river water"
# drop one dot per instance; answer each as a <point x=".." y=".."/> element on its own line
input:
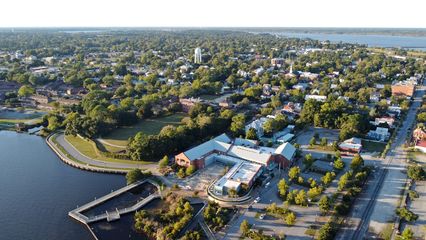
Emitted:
<point x="386" y="41"/>
<point x="37" y="191"/>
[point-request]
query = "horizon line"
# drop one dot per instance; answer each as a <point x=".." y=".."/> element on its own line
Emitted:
<point x="206" y="27"/>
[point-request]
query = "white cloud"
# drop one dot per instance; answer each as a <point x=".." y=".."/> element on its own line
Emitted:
<point x="205" y="13"/>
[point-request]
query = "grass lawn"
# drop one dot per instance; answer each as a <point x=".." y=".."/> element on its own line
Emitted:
<point x="370" y="146"/>
<point x="120" y="136"/>
<point x="88" y="148"/>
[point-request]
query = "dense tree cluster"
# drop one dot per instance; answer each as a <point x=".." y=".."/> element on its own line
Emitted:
<point x="167" y="224"/>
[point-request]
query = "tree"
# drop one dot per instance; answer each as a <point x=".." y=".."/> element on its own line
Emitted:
<point x="237" y="124"/>
<point x="134" y="175"/>
<point x="328" y="178"/>
<point x="421" y="117"/>
<point x="312" y="142"/>
<point x="324" y="204"/>
<point x="343" y="181"/>
<point x="416" y="173"/>
<point x="25" y="91"/>
<point x="251" y="134"/>
<point x="308" y="160"/>
<point x="407" y="234"/>
<point x="293" y="173"/>
<point x="190" y="170"/>
<point x="351" y="125"/>
<point x="338" y="164"/>
<point x="357" y="162"/>
<point x="301" y="198"/>
<point x="283" y="188"/>
<point x="290" y="219"/>
<point x="53" y="123"/>
<point x="244" y="227"/>
<point x="323" y="142"/>
<point x="314" y="192"/>
<point x="163" y="162"/>
<point x="326" y="232"/>
<point x="406" y="214"/>
<point x="181" y="173"/>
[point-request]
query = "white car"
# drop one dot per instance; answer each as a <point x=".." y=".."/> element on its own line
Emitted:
<point x="267" y="184"/>
<point x="257" y="200"/>
<point x="262" y="216"/>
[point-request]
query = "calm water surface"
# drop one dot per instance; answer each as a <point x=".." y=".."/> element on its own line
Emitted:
<point x="37" y="190"/>
<point x="387" y="41"/>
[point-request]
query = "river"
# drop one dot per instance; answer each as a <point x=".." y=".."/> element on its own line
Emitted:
<point x="37" y="190"/>
<point x="386" y="41"/>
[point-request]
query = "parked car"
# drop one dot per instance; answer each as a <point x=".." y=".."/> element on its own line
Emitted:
<point x="257" y="200"/>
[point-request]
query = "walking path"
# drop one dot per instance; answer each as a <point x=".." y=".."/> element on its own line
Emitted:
<point x="101" y="140"/>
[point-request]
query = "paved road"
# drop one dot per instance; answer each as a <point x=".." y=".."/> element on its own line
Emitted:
<point x="114" y="165"/>
<point x="375" y="207"/>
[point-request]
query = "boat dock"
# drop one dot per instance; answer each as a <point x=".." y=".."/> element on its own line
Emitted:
<point x="113" y="215"/>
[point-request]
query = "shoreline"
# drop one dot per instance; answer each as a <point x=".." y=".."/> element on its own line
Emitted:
<point x="64" y="158"/>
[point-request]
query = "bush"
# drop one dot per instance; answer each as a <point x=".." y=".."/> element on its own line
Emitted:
<point x="406" y="214"/>
<point x="413" y="194"/>
<point x="416" y="173"/>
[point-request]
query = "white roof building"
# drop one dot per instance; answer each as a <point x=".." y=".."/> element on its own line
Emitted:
<point x="320" y="98"/>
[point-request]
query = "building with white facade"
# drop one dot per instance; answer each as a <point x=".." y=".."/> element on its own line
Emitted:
<point x="197" y="56"/>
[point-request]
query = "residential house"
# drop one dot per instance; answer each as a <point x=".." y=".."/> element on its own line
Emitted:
<point x="188" y="103"/>
<point x="403" y="88"/>
<point x="351" y="145"/>
<point x="421" y="146"/>
<point x="380" y="134"/>
<point x="380" y="120"/>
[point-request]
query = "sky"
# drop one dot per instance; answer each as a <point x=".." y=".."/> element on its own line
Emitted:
<point x="213" y="13"/>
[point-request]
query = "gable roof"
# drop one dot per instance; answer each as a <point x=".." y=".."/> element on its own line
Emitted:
<point x="220" y="143"/>
<point x="287" y="150"/>
<point x="251" y="154"/>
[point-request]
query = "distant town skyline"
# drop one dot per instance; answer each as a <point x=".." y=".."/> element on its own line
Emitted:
<point x="220" y="13"/>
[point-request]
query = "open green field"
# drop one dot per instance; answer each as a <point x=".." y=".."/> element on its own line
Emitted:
<point x="88" y="148"/>
<point x="120" y="136"/>
<point x="370" y="146"/>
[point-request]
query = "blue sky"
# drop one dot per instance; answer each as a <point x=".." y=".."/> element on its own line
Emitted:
<point x="213" y="13"/>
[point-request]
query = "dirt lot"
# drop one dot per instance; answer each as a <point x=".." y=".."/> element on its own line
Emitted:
<point x="201" y="179"/>
<point x="304" y="138"/>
